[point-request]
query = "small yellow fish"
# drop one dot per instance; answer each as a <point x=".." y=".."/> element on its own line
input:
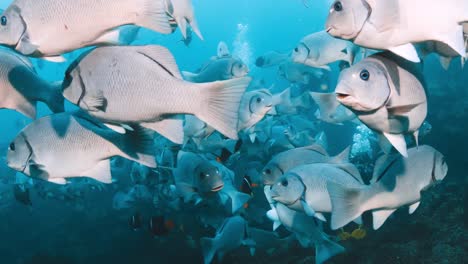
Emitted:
<point x="343" y="235"/>
<point x="359" y="233"/>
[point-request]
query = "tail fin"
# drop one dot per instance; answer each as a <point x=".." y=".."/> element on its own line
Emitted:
<point x="154" y="16"/>
<point x="220" y="107"/>
<point x="208" y="247"/>
<point x="346" y="204"/>
<point x="56" y="101"/>
<point x="190" y="76"/>
<point x="326" y="249"/>
<point x="138" y="146"/>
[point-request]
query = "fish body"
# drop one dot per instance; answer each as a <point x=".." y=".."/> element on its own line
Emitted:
<point x="66" y="145"/>
<point x="320" y="49"/>
<point x="219" y="69"/>
<point x="271" y="59"/>
<point x="53" y="27"/>
<point x="304" y="188"/>
<point x="396" y="25"/>
<point x="230" y="236"/>
<point x="154" y="94"/>
<point x="396" y="182"/>
<point x="386" y="96"/>
<point x="21" y="87"/>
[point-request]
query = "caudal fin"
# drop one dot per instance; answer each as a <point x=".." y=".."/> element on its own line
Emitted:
<point x="220" y="105"/>
<point x="154" y="16"/>
<point x="138" y="146"/>
<point x="56" y="101"/>
<point x="208" y="248"/>
<point x="326" y="249"/>
<point x="346" y="204"/>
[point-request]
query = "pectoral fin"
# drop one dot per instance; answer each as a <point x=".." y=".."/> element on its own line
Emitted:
<point x="380" y="216"/>
<point x="407" y="51"/>
<point x="101" y="172"/>
<point x="413" y="207"/>
<point x="398" y="142"/>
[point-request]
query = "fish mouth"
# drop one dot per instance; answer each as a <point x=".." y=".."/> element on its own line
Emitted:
<point x="218" y="188"/>
<point x="329" y="29"/>
<point x="342" y="96"/>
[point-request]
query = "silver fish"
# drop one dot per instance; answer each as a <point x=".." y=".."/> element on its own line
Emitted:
<point x="218" y="69"/>
<point x="98" y="81"/>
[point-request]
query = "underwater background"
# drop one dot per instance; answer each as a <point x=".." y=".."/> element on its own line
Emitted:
<point x="86" y="229"/>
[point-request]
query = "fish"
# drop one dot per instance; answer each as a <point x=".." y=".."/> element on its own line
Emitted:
<point x="71" y="25"/>
<point x="231" y="235"/>
<point x="396" y="25"/>
<point x="396" y="182"/>
<point x="159" y="226"/>
<point x="183" y="13"/>
<point x="306" y="231"/>
<point x="21" y="87"/>
<point x="300" y="73"/>
<point x="223" y="50"/>
<point x="285" y="161"/>
<point x="320" y="49"/>
<point x="218" y="69"/>
<point x="136" y="222"/>
<point x="387" y="96"/>
<point x="21" y="193"/>
<point x="272" y="59"/>
<point x="255" y="105"/>
<point x="195" y="175"/>
<point x="304" y="188"/>
<point x="67" y="145"/>
<point x="154" y="94"/>
<point x="330" y="110"/>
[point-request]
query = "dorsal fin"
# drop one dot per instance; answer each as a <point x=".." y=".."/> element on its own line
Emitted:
<point x="381" y="166"/>
<point x="161" y="56"/>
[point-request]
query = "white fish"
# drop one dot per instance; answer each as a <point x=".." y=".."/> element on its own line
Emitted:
<point x="66" y="145"/>
<point x="196" y="129"/>
<point x="330" y="110"/>
<point x="396" y="182"/>
<point x="230" y="236"/>
<point x="154" y="94"/>
<point x="304" y="188"/>
<point x="21" y="87"/>
<point x="320" y="49"/>
<point x="256" y="104"/>
<point x="300" y="73"/>
<point x="386" y="96"/>
<point x="182" y="12"/>
<point x="285" y="161"/>
<point x="50" y="28"/>
<point x="396" y="25"/>
<point x="223" y="50"/>
<point x="218" y="69"/>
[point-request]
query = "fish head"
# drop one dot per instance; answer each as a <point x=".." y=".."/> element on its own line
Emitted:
<point x="347" y="17"/>
<point x="260" y="102"/>
<point x="239" y="69"/>
<point x="19" y="154"/>
<point x="301" y="53"/>
<point x="440" y="167"/>
<point x="12" y="27"/>
<point x="208" y="178"/>
<point x="271" y="173"/>
<point x="363" y="87"/>
<point x="288" y="189"/>
<point x="223" y="50"/>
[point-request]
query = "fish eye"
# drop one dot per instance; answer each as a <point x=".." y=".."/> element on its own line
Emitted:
<point x="338" y="7"/>
<point x="12" y="146"/>
<point x="364" y="75"/>
<point x="202" y="175"/>
<point x="259" y="100"/>
<point x="3" y="21"/>
<point x="268" y="171"/>
<point x="296" y="49"/>
<point x="284" y="183"/>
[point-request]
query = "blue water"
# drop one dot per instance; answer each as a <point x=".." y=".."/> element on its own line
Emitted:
<point x="87" y="229"/>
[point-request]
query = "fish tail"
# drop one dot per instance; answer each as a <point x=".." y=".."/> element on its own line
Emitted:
<point x="138" y="145"/>
<point x="208" y="248"/>
<point x="155" y="17"/>
<point x="220" y="105"/>
<point x="56" y="101"/>
<point x="347" y="204"/>
<point x="326" y="249"/>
